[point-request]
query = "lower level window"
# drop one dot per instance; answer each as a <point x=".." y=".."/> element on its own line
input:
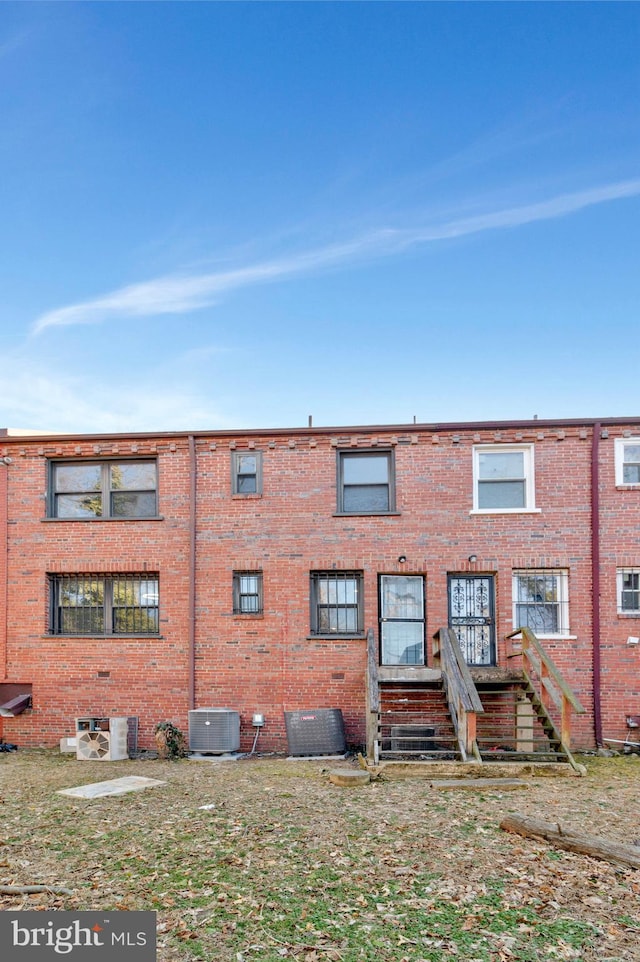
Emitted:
<point x="629" y="591"/>
<point x="336" y="603"/>
<point x="247" y="592"/>
<point x="84" y="604"/>
<point x="541" y="601"/>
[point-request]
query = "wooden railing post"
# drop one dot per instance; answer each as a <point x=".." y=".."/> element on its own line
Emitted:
<point x="372" y="695"/>
<point x="462" y="695"/>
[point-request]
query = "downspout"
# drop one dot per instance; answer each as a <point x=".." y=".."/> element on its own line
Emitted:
<point x="192" y="572"/>
<point x="4" y="568"/>
<point x="595" y="581"/>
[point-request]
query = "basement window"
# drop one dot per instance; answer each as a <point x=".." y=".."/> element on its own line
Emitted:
<point x="87" y="604"/>
<point x="247" y="593"/>
<point x="336" y="603"/>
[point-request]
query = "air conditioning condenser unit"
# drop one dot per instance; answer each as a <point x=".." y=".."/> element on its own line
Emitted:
<point x="214" y="731"/>
<point x="102" y="739"/>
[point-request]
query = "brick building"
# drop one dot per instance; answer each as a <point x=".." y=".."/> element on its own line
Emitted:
<point x="146" y="575"/>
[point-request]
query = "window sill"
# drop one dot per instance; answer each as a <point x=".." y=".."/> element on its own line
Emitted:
<point x="366" y="514"/>
<point x="627" y="487"/>
<point x="628" y="614"/>
<point x="148" y="517"/>
<point x="338" y="637"/>
<point x="506" y="511"/>
<point x="122" y="637"/>
<point x="248" y="616"/>
<point x="254" y="496"/>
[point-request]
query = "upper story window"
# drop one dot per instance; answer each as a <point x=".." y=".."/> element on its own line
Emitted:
<point x="366" y="482"/>
<point x="503" y="478"/>
<point x="628" y="591"/>
<point x="541" y="601"/>
<point x="247" y="593"/>
<point x="627" y="461"/>
<point x="336" y="603"/>
<point x="83" y="604"/>
<point x="246" y="472"/>
<point x="103" y="489"/>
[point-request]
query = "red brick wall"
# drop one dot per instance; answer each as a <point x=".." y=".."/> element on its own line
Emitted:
<point x="270" y="663"/>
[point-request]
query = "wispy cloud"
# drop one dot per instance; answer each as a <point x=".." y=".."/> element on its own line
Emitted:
<point x="180" y="294"/>
<point x="37" y="397"/>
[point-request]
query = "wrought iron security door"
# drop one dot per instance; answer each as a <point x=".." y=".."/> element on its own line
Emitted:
<point x="472" y="617"/>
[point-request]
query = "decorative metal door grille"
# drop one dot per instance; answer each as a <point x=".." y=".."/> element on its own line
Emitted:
<point x="471" y="615"/>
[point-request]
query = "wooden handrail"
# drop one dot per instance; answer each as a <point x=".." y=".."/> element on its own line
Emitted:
<point x="546" y="666"/>
<point x="461" y="692"/>
<point x="372" y="689"/>
<point x="551" y="685"/>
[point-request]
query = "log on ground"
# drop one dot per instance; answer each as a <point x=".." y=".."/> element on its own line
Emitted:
<point x="571" y="841"/>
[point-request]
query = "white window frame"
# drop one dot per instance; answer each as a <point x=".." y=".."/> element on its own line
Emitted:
<point x="619" y="459"/>
<point x="529" y="477"/>
<point x="562" y="602"/>
<point x="620" y="573"/>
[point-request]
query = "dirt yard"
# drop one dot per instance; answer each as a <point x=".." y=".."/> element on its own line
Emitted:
<point x="264" y="859"/>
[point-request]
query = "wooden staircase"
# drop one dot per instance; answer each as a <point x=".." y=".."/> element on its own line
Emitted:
<point x="415" y="722"/>
<point x="456" y="714"/>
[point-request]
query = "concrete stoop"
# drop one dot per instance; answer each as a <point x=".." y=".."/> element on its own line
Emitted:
<point x="431" y="770"/>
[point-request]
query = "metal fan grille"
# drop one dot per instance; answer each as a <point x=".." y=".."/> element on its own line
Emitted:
<point x="94" y="745"/>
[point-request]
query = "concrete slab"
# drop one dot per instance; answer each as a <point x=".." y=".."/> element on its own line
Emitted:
<point x="491" y="770"/>
<point x="201" y="757"/>
<point x="480" y="784"/>
<point x="115" y="786"/>
<point x="316" y="758"/>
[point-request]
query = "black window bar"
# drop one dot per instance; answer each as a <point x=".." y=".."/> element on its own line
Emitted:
<point x="88" y="604"/>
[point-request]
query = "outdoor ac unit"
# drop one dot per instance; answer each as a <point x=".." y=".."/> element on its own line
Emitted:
<point x="319" y="731"/>
<point x="412" y="738"/>
<point x="214" y="731"/>
<point x="102" y="739"/>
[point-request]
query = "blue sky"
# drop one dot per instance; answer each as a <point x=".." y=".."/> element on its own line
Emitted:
<point x="219" y="215"/>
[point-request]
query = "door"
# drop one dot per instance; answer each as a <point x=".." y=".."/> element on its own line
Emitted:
<point x="472" y="617"/>
<point x="401" y="620"/>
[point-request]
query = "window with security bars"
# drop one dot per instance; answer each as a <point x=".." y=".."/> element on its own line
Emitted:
<point x="628" y="591"/>
<point x="247" y="593"/>
<point x="336" y="603"/>
<point x="541" y="601"/>
<point x="83" y="604"/>
<point x="103" y="489"/>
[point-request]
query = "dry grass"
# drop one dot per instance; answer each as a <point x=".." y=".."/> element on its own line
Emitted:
<point x="285" y="865"/>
